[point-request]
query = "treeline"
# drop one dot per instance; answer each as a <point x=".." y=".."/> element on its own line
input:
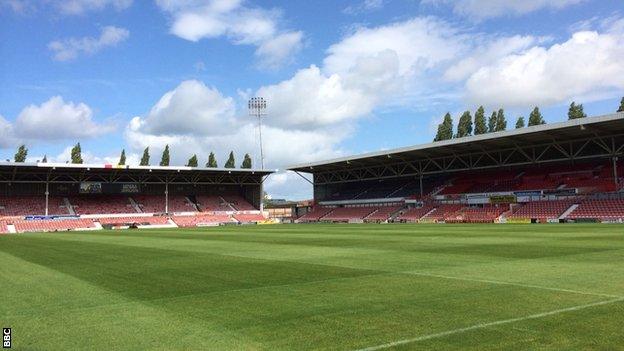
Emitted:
<point x="193" y="161"/>
<point x="497" y="121"/>
<point x="76" y="158"/>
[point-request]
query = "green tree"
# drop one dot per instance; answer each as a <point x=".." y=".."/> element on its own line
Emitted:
<point x="192" y="162"/>
<point x="479" y="123"/>
<point x="621" y="109"/>
<point x="76" y="154"/>
<point x="535" y="118"/>
<point x="145" y="159"/>
<point x="520" y="122"/>
<point x="45" y="159"/>
<point x="164" y="161"/>
<point x="576" y="111"/>
<point x="122" y="158"/>
<point x="501" y="122"/>
<point x="445" y="129"/>
<point x="20" y="155"/>
<point x="231" y="163"/>
<point x="246" y="162"/>
<point x="464" y="127"/>
<point x="212" y="161"/>
<point x="492" y="122"/>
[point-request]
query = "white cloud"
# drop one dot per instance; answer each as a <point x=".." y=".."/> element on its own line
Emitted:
<point x="69" y="49"/>
<point x="483" y="9"/>
<point x="364" y="6"/>
<point x="88" y="157"/>
<point x="17" y="6"/>
<point x="7" y="136"/>
<point x="280" y="49"/>
<point x="55" y="120"/>
<point x="191" y="108"/>
<point x="195" y="20"/>
<point x="310" y="100"/>
<point x="65" y="7"/>
<point x="588" y="63"/>
<point x="79" y="7"/>
<point x="420" y="43"/>
<point x="487" y="53"/>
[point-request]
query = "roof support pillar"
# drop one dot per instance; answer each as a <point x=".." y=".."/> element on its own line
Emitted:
<point x="167" y="196"/>
<point x="47" y="197"/>
<point x="261" y="197"/>
<point x="421" y="186"/>
<point x="615" y="172"/>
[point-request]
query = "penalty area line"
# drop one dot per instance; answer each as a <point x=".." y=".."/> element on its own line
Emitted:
<point x="488" y="324"/>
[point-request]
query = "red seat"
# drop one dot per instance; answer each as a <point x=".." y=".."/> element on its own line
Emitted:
<point x="156" y="203"/>
<point x="542" y="209"/>
<point x="194" y="221"/>
<point x="152" y="220"/>
<point x="247" y="218"/>
<point x="415" y="213"/>
<point x="382" y="213"/>
<point x="344" y="214"/>
<point x="22" y="226"/>
<point x="599" y="209"/>
<point x="31" y="205"/>
<point x="101" y="204"/>
<point x="315" y="214"/>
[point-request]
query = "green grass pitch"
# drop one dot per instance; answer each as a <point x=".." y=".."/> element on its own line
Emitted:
<point x="317" y="287"/>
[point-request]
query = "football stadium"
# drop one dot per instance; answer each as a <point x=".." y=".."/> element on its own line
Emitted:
<point x="329" y="178"/>
<point x="451" y="245"/>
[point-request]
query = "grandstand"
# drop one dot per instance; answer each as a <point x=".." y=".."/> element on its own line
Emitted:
<point x="568" y="171"/>
<point x="58" y="197"/>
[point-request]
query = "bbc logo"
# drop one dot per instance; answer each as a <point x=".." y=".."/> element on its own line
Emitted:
<point x="6" y="338"/>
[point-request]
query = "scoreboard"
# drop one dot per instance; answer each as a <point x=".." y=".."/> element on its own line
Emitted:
<point x="109" y="188"/>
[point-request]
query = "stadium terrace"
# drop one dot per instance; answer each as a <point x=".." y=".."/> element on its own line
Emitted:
<point x="568" y="171"/>
<point x="59" y="196"/>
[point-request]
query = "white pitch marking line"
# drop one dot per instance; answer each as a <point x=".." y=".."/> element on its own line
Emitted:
<point x="488" y="324"/>
<point x="510" y="283"/>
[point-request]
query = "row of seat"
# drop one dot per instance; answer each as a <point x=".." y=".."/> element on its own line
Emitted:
<point x="415" y="213"/>
<point x="248" y="217"/>
<point x="600" y="209"/>
<point x="22" y="226"/>
<point x="590" y="208"/>
<point x="120" y="221"/>
<point x="485" y="214"/>
<point x="118" y="204"/>
<point x="315" y="214"/>
<point x="345" y="214"/>
<point x="112" y="204"/>
<point x="53" y="225"/>
<point x="198" y="220"/>
<point x="388" y="188"/>
<point x="588" y="178"/>
<point x="542" y="209"/>
<point x="382" y="213"/>
<point x="31" y="205"/>
<point x="349" y="213"/>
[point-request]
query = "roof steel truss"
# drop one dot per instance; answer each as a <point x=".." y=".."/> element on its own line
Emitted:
<point x="556" y="150"/>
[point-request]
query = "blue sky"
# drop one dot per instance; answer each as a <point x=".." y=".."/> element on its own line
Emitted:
<point x="341" y="77"/>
